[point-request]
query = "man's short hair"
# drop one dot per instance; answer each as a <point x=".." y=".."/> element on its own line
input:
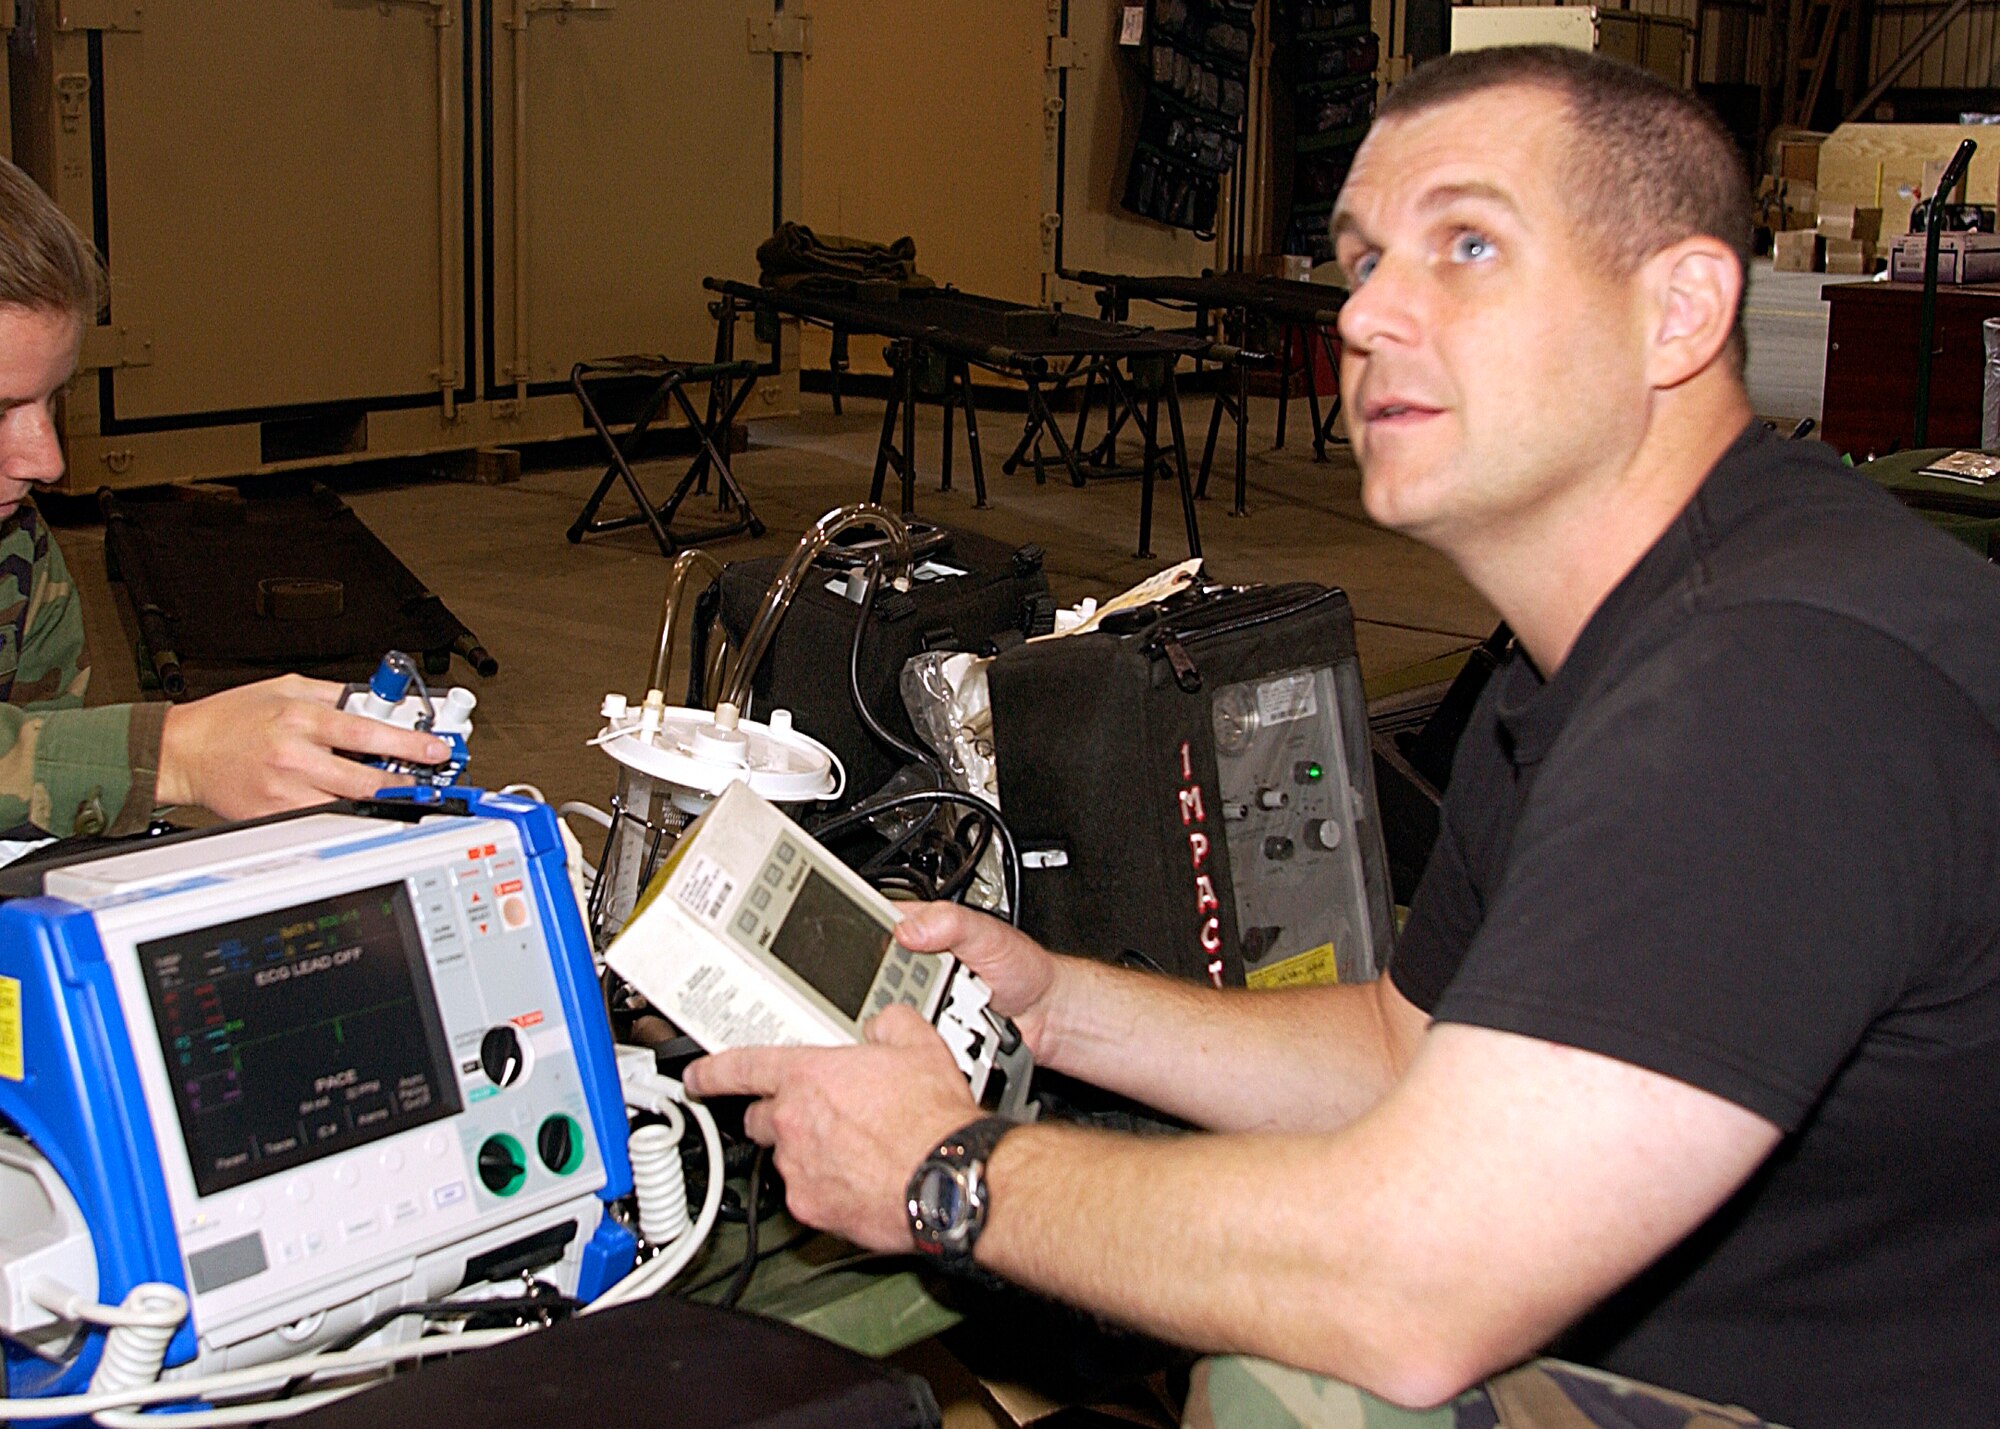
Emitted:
<point x="45" y="264"/>
<point x="1645" y="165"/>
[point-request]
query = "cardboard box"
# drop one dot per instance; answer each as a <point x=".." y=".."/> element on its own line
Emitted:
<point x="1849" y="221"/>
<point x="1797" y="251"/>
<point x="1798" y="159"/>
<point x="1850" y="256"/>
<point x="1962" y="258"/>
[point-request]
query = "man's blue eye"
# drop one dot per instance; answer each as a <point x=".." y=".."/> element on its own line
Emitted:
<point x="1471" y="248"/>
<point x="1363" y="266"/>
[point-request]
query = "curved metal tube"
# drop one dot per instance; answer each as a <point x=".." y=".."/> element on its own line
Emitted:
<point x="791" y="575"/>
<point x="670" y="606"/>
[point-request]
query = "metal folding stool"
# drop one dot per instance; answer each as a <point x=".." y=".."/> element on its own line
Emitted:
<point x="729" y="386"/>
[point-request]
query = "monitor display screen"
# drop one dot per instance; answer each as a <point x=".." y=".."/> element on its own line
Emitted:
<point x="298" y="1033"/>
<point x="832" y="942"/>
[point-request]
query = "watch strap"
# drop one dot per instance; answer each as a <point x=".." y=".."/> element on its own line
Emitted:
<point x="963" y="1154"/>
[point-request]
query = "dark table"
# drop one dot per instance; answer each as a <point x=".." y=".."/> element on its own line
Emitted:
<point x="1870" y="398"/>
<point x="1969" y="513"/>
<point x="1306" y="312"/>
<point x="1046" y="350"/>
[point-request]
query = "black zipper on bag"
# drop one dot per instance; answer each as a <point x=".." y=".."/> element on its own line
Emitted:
<point x="1170" y="637"/>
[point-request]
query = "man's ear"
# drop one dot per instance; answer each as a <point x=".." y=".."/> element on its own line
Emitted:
<point x="1693" y="286"/>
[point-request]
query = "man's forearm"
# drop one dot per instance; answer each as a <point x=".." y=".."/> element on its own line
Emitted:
<point x="1502" y="1188"/>
<point x="1224" y="1244"/>
<point x="1298" y="1059"/>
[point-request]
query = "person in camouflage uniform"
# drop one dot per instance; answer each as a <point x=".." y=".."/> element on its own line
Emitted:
<point x="1236" y="1392"/>
<point x="66" y="769"/>
<point x="62" y="767"/>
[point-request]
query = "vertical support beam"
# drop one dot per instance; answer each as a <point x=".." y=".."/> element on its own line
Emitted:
<point x="1857" y="49"/>
<point x="447" y="373"/>
<point x="521" y="369"/>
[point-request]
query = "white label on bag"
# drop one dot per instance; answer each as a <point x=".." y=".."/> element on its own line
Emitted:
<point x="1293" y="697"/>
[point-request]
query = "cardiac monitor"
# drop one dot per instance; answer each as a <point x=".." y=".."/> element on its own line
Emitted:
<point x="308" y="1071"/>
<point x="752" y="934"/>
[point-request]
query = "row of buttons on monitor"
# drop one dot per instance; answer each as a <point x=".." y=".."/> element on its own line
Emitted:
<point x="345" y="1175"/>
<point x="360" y="1227"/>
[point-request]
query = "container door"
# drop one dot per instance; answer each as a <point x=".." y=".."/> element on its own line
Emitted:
<point x="927" y="120"/>
<point x="281" y="196"/>
<point x="633" y="150"/>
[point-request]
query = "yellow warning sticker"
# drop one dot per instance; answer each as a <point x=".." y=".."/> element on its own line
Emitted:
<point x="1314" y="967"/>
<point x="11" y="1065"/>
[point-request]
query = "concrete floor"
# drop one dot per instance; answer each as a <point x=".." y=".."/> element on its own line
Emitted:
<point x="1784" y="323"/>
<point x="568" y="623"/>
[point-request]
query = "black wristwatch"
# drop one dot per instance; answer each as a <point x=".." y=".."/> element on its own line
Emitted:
<point x="946" y="1194"/>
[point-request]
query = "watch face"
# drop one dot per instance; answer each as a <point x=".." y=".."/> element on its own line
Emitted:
<point x="941" y="1201"/>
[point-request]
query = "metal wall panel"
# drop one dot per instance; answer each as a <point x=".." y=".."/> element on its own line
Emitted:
<point x="649" y="144"/>
<point x="927" y="120"/>
<point x="950" y="123"/>
<point x="274" y="226"/>
<point x="1965" y="56"/>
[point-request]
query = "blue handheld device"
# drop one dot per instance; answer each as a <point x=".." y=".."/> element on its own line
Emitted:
<point x="306" y="1070"/>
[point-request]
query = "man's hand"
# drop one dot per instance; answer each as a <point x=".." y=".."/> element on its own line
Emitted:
<point x="264" y="748"/>
<point x="1021" y="972"/>
<point x="847" y="1125"/>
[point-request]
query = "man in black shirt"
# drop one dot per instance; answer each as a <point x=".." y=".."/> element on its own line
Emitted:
<point x="1685" y="1064"/>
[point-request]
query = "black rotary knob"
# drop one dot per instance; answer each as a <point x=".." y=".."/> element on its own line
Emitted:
<point x="502" y="1167"/>
<point x="560" y="1144"/>
<point x="502" y="1056"/>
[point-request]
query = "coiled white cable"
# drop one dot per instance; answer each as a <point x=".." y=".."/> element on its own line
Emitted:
<point x="659" y="1184"/>
<point x="657" y="1273"/>
<point x="136" y="1346"/>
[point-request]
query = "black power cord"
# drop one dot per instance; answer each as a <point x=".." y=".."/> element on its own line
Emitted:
<point x="546" y="1308"/>
<point x="881" y="733"/>
<point x="753" y="1218"/>
<point x="861" y="813"/>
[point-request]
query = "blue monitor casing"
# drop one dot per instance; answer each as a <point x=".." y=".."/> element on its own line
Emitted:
<point x="314" y="1068"/>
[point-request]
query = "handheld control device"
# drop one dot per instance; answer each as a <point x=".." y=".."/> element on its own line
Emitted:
<point x="387" y="697"/>
<point x="754" y="935"/>
<point x="306" y="1070"/>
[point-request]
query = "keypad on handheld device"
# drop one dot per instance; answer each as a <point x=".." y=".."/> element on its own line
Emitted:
<point x="905" y="977"/>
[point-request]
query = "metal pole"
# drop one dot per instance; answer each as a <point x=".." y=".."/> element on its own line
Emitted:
<point x="1927" y="315"/>
<point x="447" y="73"/>
<point x="521" y="208"/>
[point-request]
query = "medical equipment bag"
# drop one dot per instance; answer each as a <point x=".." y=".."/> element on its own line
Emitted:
<point x="1191" y="788"/>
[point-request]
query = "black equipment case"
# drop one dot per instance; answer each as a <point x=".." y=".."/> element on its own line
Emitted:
<point x="1191" y="788"/>
<point x="970" y="592"/>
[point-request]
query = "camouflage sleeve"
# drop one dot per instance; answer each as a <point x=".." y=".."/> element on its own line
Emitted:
<point x="64" y="769"/>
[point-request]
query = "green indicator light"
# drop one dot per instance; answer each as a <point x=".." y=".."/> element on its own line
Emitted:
<point x="1313" y="771"/>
